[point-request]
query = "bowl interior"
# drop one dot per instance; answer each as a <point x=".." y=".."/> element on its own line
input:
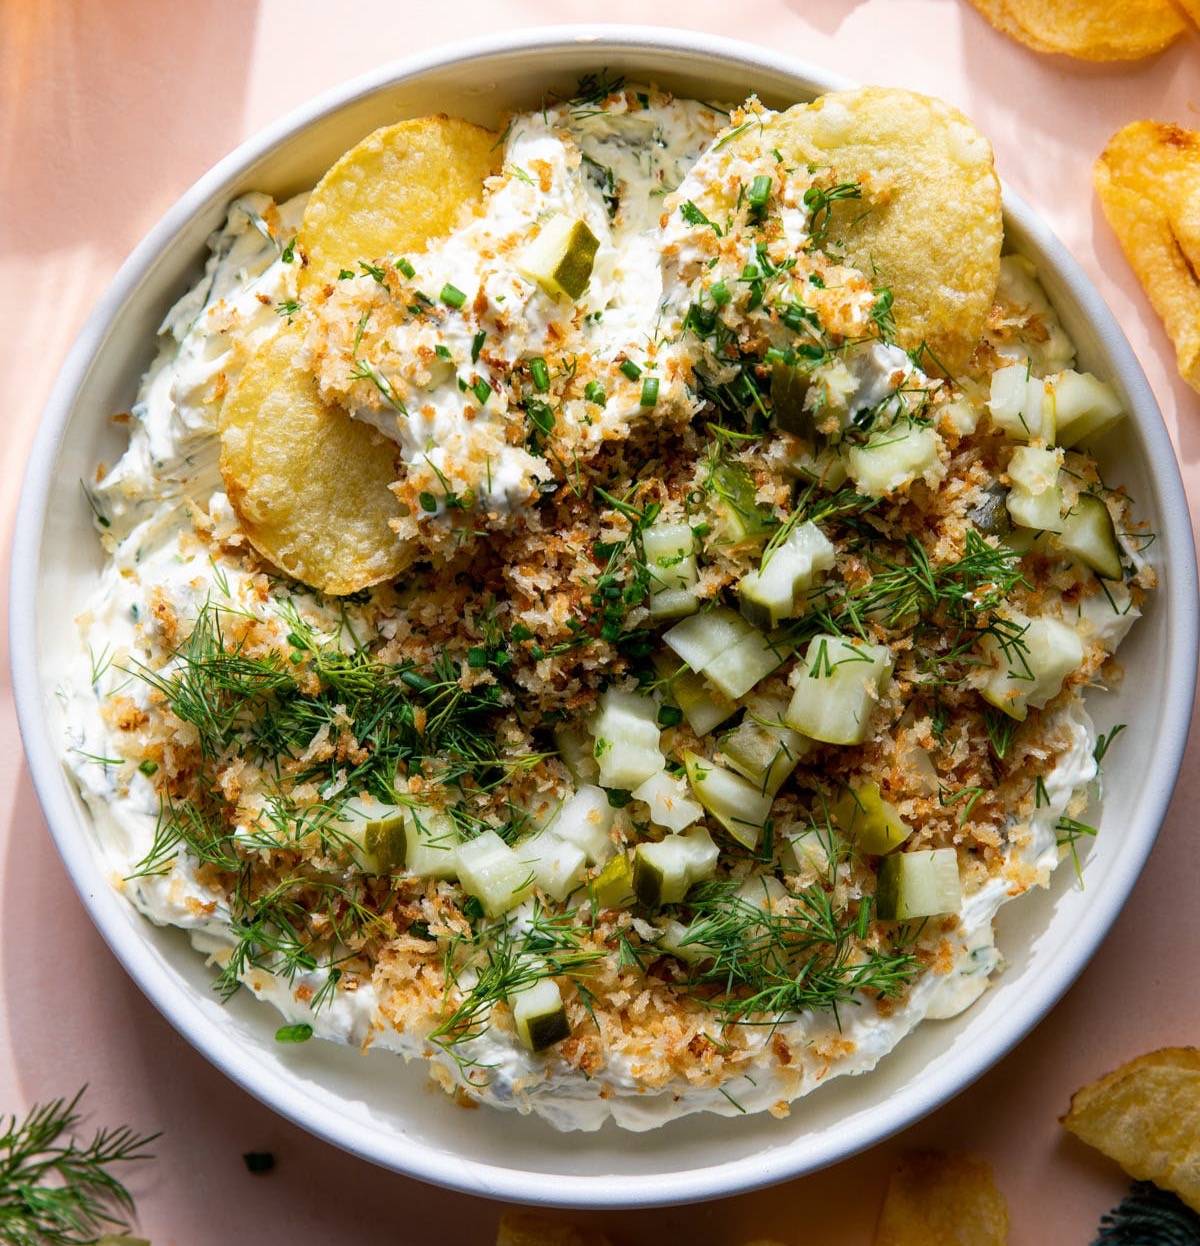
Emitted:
<point x="373" y="1103"/>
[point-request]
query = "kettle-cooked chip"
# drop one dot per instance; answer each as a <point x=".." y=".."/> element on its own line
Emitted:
<point x="528" y="1228"/>
<point x="942" y="1200"/>
<point x="1146" y="1116"/>
<point x="393" y="192"/>
<point x="1092" y="30"/>
<point x="929" y="223"/>
<point x="1148" y="180"/>
<point x="309" y="484"/>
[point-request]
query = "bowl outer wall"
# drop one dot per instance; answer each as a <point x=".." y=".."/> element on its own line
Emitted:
<point x="553" y="54"/>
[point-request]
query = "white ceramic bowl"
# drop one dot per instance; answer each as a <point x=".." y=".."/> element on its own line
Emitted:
<point x="373" y="1105"/>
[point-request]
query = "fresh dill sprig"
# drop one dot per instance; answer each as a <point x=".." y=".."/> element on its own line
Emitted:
<point x="1105" y="742"/>
<point x="952" y="604"/>
<point x="500" y="959"/>
<point x="272" y="704"/>
<point x="820" y="202"/>
<point x="55" y="1191"/>
<point x="268" y="702"/>
<point x="276" y="932"/>
<point x="1000" y="731"/>
<point x="595" y="88"/>
<point x="1068" y="832"/>
<point x="763" y="964"/>
<point x="623" y="582"/>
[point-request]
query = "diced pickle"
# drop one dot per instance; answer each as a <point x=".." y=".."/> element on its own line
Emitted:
<point x="1085" y="406"/>
<point x="560" y="258"/>
<point x="740" y="807"/>
<point x="868" y="821"/>
<point x="1090" y="535"/>
<point x="612" y="888"/>
<point x="789" y="388"/>
<point x="539" y="1015"/>
<point x="740" y="519"/>
<point x="1031" y="668"/>
<point x="836" y="687"/>
<point x="918" y="884"/>
<point x="989" y="514"/>
<point x="386" y="843"/>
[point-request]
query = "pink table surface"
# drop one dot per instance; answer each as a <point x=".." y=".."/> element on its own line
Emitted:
<point x="110" y="109"/>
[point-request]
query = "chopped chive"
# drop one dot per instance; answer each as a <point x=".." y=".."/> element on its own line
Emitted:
<point x="477" y="345"/>
<point x="669" y="715"/>
<point x="442" y="352"/>
<point x="759" y="193"/>
<point x="289" y="252"/>
<point x="148" y="767"/>
<point x="519" y="631"/>
<point x="428" y="502"/>
<point x="720" y="293"/>
<point x="540" y="374"/>
<point x="477" y="658"/>
<point x="649" y="391"/>
<point x="482" y="390"/>
<point x="775" y="355"/>
<point x="452" y="296"/>
<point x="541" y="415"/>
<point x="593" y="391"/>
<point x="406" y="268"/>
<point x="299" y="1033"/>
<point x="345" y="275"/>
<point x="796" y="315"/>
<point x="631" y="370"/>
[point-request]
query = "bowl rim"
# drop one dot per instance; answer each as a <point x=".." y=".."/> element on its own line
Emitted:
<point x="395" y="1151"/>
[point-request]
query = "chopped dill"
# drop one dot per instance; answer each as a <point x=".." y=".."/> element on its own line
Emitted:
<point x="763" y="964"/>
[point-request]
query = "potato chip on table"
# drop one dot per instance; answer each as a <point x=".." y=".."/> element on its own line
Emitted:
<point x="1093" y="30"/>
<point x="308" y="483"/>
<point x="942" y="1200"/>
<point x="528" y="1228"/>
<point x="1148" y="181"/>
<point x="928" y="223"/>
<point x="1146" y="1116"/>
<point x="392" y="193"/>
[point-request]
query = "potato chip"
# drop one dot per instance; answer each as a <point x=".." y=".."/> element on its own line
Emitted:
<point x="393" y="192"/>
<point x="309" y="484"/>
<point x="527" y="1228"/>
<point x="1148" y="180"/>
<point x="933" y="230"/>
<point x="1146" y="1116"/>
<point x="1092" y="30"/>
<point x="942" y="1200"/>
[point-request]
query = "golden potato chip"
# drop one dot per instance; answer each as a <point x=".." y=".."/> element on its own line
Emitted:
<point x="942" y="1200"/>
<point x="1146" y="1116"/>
<point x="1148" y="181"/>
<point x="933" y="230"/>
<point x="1092" y="30"/>
<point x="393" y="192"/>
<point x="527" y="1228"/>
<point x="309" y="484"/>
